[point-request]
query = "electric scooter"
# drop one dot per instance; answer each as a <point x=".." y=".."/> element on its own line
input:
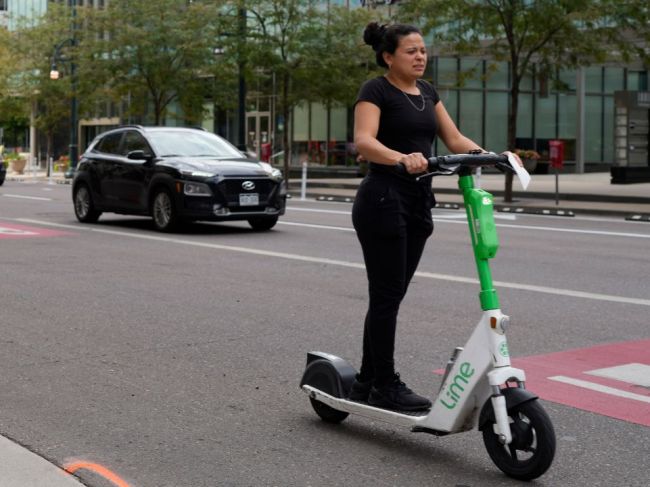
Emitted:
<point x="480" y="388"/>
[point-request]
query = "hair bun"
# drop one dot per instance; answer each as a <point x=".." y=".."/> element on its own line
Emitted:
<point x="373" y="34"/>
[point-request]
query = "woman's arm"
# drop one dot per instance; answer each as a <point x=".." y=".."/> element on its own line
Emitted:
<point x="450" y="135"/>
<point x="366" y="126"/>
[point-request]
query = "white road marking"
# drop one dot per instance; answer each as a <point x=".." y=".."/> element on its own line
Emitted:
<point x="600" y="388"/>
<point x="461" y="216"/>
<point x="40" y="198"/>
<point x="342" y="263"/>
<point x="313" y="225"/>
<point x="15" y="231"/>
<point x="636" y="374"/>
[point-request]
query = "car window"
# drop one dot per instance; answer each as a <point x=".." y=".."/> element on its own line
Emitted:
<point x="191" y="143"/>
<point x="110" y="144"/>
<point x="134" y="141"/>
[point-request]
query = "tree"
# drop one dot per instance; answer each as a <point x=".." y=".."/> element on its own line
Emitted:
<point x="278" y="37"/>
<point x="339" y="61"/>
<point x="156" y="52"/>
<point x="551" y="34"/>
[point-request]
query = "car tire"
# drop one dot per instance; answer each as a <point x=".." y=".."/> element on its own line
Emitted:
<point x="84" y="208"/>
<point x="262" y="223"/>
<point x="163" y="211"/>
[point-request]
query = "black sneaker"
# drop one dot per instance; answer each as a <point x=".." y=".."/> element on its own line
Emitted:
<point x="359" y="391"/>
<point x="395" y="395"/>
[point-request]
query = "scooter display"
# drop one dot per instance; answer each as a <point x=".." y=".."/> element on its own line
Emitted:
<point x="480" y="388"/>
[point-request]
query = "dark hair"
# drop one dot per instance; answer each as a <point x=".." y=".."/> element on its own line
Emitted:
<point x="385" y="38"/>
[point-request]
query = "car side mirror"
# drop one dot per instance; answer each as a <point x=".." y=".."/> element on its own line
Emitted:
<point x="138" y="155"/>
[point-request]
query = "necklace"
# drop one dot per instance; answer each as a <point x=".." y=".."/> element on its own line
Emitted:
<point x="424" y="102"/>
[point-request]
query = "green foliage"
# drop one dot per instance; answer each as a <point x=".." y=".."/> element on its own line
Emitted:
<point x="155" y="52"/>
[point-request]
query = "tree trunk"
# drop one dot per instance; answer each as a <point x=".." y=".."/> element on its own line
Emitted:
<point x="285" y="135"/>
<point x="512" y="131"/>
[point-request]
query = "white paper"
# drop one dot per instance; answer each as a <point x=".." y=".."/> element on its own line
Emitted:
<point x="522" y="174"/>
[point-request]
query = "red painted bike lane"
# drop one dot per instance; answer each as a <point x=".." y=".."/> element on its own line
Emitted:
<point x="612" y="380"/>
<point x="15" y="231"/>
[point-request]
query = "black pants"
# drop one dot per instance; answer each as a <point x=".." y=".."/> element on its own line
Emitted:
<point x="392" y="219"/>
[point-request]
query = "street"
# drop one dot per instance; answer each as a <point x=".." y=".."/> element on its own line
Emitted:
<point x="174" y="359"/>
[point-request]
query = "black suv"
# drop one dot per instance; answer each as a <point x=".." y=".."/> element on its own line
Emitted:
<point x="175" y="174"/>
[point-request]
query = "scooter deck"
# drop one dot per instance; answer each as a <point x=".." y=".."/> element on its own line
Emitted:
<point x="410" y="419"/>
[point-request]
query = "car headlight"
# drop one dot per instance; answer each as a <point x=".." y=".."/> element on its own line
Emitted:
<point x="196" y="189"/>
<point x="271" y="171"/>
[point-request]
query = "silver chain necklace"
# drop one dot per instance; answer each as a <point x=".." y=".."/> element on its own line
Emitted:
<point x="424" y="102"/>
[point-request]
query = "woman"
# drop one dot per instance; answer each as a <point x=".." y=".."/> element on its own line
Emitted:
<point x="397" y="117"/>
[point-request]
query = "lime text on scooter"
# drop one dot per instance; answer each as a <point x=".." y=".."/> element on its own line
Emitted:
<point x="456" y="388"/>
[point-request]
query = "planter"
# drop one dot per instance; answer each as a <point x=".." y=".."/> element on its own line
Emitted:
<point x="530" y="165"/>
<point x="18" y="165"/>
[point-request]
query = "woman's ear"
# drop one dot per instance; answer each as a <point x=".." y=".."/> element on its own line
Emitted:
<point x="388" y="58"/>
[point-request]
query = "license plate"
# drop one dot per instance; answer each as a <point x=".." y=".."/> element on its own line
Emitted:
<point x="249" y="199"/>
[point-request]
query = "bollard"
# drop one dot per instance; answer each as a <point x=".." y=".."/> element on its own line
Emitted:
<point x="303" y="182"/>
<point x="50" y="170"/>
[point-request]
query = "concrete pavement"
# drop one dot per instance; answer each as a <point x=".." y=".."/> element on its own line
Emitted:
<point x="590" y="193"/>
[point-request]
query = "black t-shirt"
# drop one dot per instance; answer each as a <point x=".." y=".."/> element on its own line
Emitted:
<point x="402" y="126"/>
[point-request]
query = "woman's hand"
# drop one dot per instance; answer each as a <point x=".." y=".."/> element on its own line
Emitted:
<point x="414" y="163"/>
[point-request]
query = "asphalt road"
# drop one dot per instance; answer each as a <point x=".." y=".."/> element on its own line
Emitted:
<point x="174" y="360"/>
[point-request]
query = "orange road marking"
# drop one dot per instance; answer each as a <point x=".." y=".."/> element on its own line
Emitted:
<point x="98" y="469"/>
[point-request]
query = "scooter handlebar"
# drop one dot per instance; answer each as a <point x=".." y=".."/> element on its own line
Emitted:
<point x="464" y="163"/>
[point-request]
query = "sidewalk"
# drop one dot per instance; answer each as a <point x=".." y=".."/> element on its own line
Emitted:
<point x="583" y="194"/>
<point x="579" y="194"/>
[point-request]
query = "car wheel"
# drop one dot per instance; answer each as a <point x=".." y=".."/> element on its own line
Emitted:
<point x="163" y="211"/>
<point x="263" y="222"/>
<point x="84" y="208"/>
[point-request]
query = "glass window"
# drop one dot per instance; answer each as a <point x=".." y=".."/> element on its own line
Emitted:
<point x="191" y="143"/>
<point x="3" y="5"/>
<point x="614" y="80"/>
<point x="110" y="144"/>
<point x="338" y="123"/>
<point x="497" y="76"/>
<point x="447" y="72"/>
<point x="545" y="118"/>
<point x="593" y="79"/>
<point x="496" y="127"/>
<point x="449" y="98"/>
<point x="608" y="129"/>
<point x="525" y="117"/>
<point x="471" y="73"/>
<point x="526" y="83"/>
<point x="318" y="122"/>
<point x="134" y="141"/>
<point x="567" y="78"/>
<point x="567" y="111"/>
<point x="593" y="128"/>
<point x="471" y="115"/>
<point x="300" y="123"/>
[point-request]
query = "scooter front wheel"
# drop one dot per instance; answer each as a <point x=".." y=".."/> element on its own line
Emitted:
<point x="532" y="449"/>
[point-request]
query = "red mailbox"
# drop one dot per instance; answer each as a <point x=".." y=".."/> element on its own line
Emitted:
<point x="556" y="153"/>
<point x="265" y="152"/>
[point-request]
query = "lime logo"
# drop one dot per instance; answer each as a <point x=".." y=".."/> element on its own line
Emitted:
<point x="456" y="387"/>
<point x="487" y="200"/>
<point x="503" y="349"/>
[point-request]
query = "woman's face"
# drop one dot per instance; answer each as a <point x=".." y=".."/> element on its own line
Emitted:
<point x="410" y="57"/>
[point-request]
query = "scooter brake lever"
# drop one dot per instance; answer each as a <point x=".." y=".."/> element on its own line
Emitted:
<point x="435" y="173"/>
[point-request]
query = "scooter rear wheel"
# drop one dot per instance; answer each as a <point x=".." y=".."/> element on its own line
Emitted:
<point x="326" y="413"/>
<point x="532" y="449"/>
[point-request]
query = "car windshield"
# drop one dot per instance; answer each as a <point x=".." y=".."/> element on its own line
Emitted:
<point x="191" y="144"/>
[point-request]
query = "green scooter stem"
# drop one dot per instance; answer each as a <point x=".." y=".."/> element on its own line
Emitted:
<point x="485" y="242"/>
